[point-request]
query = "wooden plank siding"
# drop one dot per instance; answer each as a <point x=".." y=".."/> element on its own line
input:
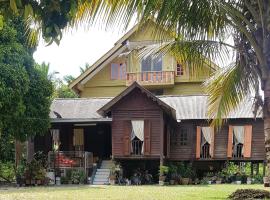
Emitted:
<point x="136" y="106"/>
<point x="188" y="152"/>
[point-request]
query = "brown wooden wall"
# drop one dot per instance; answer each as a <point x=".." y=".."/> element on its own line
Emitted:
<point x="178" y="152"/>
<point x="136" y="106"/>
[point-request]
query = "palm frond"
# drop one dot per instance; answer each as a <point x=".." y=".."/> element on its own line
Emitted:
<point x="197" y="55"/>
<point x="227" y="88"/>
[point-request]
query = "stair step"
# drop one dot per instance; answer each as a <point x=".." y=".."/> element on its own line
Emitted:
<point x="103" y="170"/>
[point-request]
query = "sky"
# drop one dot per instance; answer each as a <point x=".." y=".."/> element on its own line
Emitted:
<point x="76" y="48"/>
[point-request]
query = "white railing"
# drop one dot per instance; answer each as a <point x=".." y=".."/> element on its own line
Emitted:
<point x="151" y="77"/>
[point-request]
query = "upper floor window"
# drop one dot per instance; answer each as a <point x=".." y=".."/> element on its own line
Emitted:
<point x="151" y="63"/>
<point x="118" y="71"/>
<point x="179" y="69"/>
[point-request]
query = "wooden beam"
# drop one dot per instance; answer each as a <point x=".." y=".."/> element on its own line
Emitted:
<point x="162" y="139"/>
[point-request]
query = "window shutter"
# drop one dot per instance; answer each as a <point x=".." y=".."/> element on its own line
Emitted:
<point x="126" y="137"/>
<point x="147" y="137"/>
<point x="198" y="142"/>
<point x="230" y="142"/>
<point x="212" y="153"/>
<point x="247" y="143"/>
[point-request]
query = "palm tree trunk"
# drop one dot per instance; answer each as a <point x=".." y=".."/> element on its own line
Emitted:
<point x="266" y="117"/>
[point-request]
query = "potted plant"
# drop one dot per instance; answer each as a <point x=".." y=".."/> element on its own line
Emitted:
<point x="113" y="173"/>
<point x="187" y="174"/>
<point x="173" y="174"/>
<point x="77" y="176"/>
<point x="219" y="177"/>
<point x="238" y="179"/>
<point x="40" y="176"/>
<point x="266" y="181"/>
<point x="249" y="180"/>
<point x="163" y="172"/>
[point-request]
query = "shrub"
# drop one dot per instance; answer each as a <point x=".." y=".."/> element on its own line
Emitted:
<point x="7" y="172"/>
<point x="249" y="194"/>
<point x="163" y="170"/>
<point x="258" y="179"/>
<point x="77" y="176"/>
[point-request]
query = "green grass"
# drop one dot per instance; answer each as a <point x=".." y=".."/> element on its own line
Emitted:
<point x="123" y="192"/>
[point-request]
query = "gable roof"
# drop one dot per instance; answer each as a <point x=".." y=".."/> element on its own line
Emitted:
<point x="118" y="48"/>
<point x="187" y="107"/>
<point x="106" y="108"/>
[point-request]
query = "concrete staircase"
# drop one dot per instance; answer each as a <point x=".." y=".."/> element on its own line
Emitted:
<point x="103" y="173"/>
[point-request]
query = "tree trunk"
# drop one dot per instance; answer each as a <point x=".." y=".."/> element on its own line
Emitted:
<point x="266" y="118"/>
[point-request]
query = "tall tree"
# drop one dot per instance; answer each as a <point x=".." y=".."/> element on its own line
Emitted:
<point x="25" y="93"/>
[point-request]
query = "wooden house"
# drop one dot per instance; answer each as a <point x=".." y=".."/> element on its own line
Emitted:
<point x="147" y="111"/>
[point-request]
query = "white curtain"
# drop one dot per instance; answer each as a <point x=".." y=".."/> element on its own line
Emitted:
<point x="207" y="134"/>
<point x="138" y="131"/>
<point x="239" y="135"/>
<point x="56" y="138"/>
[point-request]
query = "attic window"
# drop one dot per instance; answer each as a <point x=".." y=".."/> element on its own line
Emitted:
<point x="118" y="71"/>
<point x="179" y="69"/>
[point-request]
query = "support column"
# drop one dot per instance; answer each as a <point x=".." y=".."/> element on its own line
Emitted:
<point x="161" y="140"/>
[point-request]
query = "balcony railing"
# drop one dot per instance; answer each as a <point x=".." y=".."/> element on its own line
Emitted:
<point x="151" y="78"/>
<point x="70" y="159"/>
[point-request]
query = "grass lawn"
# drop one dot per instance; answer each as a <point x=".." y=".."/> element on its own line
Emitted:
<point x="123" y="192"/>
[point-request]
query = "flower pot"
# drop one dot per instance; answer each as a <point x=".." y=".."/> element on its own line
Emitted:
<point x="209" y="182"/>
<point x="162" y="178"/>
<point x="249" y="182"/>
<point x="161" y="182"/>
<point x="112" y="181"/>
<point x="185" y="181"/>
<point x="172" y="182"/>
<point x="266" y="181"/>
<point x="238" y="182"/>
<point x="218" y="181"/>
<point x="58" y="181"/>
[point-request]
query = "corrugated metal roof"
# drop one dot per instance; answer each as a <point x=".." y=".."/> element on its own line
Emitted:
<point x="78" y="108"/>
<point x="187" y="107"/>
<point x="195" y="107"/>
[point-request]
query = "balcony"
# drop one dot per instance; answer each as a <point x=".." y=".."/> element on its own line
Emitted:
<point x="151" y="78"/>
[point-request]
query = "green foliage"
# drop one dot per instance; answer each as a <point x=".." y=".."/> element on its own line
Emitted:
<point x="249" y="194"/>
<point x="7" y="172"/>
<point x="7" y="150"/>
<point x="78" y="176"/>
<point x="24" y="92"/>
<point x="257" y="179"/>
<point x="63" y="91"/>
<point x="163" y="170"/>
